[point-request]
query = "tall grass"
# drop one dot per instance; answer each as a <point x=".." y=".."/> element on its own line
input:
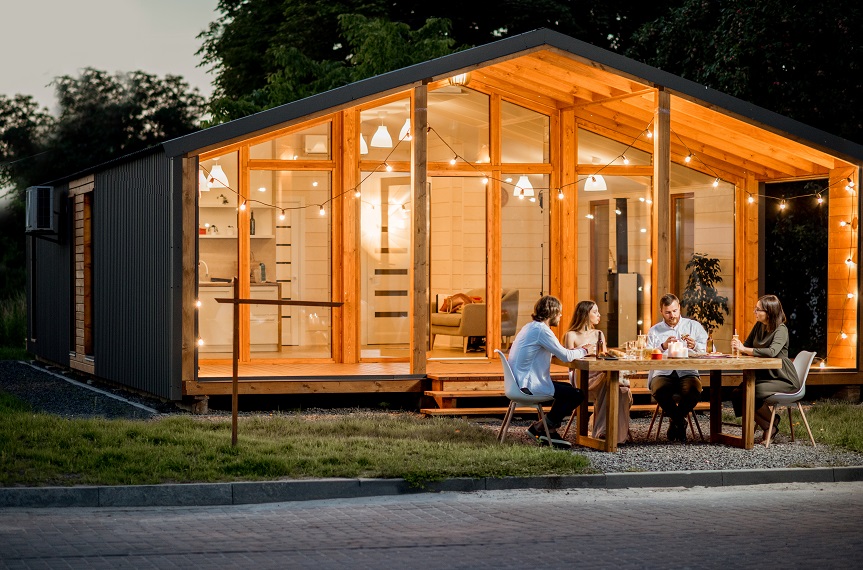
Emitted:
<point x="39" y="449"/>
<point x="13" y="321"/>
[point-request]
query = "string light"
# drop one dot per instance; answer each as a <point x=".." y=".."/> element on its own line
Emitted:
<point x="198" y="303"/>
<point x="842" y="335"/>
<point x="589" y="216"/>
<point x="200" y="342"/>
<point x="243" y="206"/>
<point x="560" y="194"/>
<point x="782" y="205"/>
<point x="453" y="160"/>
<point x="323" y="212"/>
<point x="820" y="199"/>
<point x="688" y="158"/>
<point x="388" y="167"/>
<point x="625" y="160"/>
<point x="282" y="216"/>
<point x="716" y="183"/>
<point x="357" y="193"/>
<point x="750" y="199"/>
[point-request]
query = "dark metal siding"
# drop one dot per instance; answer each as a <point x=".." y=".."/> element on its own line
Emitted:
<point x="134" y="306"/>
<point x="49" y="287"/>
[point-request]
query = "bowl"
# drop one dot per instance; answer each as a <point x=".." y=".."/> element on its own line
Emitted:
<point x="655" y="356"/>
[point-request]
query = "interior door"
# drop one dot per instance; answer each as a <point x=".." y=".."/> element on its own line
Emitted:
<point x="387" y="261"/>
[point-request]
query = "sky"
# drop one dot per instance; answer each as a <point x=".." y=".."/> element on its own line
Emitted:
<point x="43" y="39"/>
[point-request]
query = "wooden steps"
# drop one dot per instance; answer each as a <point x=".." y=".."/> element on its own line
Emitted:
<point x="525" y="410"/>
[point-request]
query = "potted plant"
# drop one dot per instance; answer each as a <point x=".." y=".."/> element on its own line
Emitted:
<point x="700" y="299"/>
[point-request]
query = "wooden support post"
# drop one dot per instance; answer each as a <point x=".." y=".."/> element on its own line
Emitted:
<point x="236" y="364"/>
<point x="661" y="273"/>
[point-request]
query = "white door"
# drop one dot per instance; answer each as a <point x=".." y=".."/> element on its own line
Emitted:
<point x="387" y="255"/>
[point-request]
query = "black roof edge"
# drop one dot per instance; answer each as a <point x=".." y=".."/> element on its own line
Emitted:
<point x="446" y="65"/>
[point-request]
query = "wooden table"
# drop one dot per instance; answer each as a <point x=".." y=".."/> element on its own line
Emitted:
<point x="746" y="364"/>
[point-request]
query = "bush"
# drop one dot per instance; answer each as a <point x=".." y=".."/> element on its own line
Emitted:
<point x="13" y="321"/>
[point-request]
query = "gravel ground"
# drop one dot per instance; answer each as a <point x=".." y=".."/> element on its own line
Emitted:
<point x="49" y="390"/>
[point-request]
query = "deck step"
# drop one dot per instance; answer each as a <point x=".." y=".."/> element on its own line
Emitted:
<point x="521" y="410"/>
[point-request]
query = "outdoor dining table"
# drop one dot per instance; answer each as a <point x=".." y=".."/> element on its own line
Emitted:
<point x="715" y="365"/>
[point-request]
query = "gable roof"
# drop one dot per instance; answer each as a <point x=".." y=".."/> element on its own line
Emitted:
<point x="566" y="72"/>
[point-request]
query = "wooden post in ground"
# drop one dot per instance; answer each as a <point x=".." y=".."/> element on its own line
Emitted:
<point x="236" y="365"/>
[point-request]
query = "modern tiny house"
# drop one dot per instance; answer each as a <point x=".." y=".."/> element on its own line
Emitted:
<point x="533" y="165"/>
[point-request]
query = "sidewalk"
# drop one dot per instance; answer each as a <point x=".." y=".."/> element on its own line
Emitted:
<point x="212" y="494"/>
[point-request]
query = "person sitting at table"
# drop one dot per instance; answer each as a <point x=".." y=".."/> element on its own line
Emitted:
<point x="582" y="331"/>
<point x="530" y="360"/>
<point x="676" y="391"/>
<point x="767" y="339"/>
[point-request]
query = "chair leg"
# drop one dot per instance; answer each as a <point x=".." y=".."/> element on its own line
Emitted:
<point x="806" y="423"/>
<point x="569" y="423"/>
<point x="504" y="426"/>
<point x="790" y="423"/>
<point x="692" y="416"/>
<point x="544" y="424"/>
<point x="770" y="427"/>
<point x="464" y="344"/>
<point x="659" y="427"/>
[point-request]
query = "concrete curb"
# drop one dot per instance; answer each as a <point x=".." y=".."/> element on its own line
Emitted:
<point x="251" y="492"/>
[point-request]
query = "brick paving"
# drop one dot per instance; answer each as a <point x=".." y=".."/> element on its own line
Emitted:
<point x="793" y="525"/>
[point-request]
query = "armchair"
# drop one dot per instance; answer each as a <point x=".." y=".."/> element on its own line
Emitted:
<point x="471" y="321"/>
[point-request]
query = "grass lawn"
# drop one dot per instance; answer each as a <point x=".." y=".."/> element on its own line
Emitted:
<point x="39" y="449"/>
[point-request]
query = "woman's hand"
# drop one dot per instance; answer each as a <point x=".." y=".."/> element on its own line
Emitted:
<point x="737" y="345"/>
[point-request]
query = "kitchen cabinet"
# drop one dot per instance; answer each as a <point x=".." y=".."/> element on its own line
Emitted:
<point x="215" y="320"/>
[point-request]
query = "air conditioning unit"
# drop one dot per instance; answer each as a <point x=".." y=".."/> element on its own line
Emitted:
<point x="40" y="209"/>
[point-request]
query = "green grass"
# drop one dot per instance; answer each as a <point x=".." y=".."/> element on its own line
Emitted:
<point x="832" y="423"/>
<point x="38" y="449"/>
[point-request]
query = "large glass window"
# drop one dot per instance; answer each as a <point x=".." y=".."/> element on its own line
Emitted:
<point x="524" y="134"/>
<point x="459" y="121"/>
<point x="309" y="144"/>
<point x="458" y="265"/>
<point x="385" y="226"/>
<point x="524" y="245"/>
<point x="386" y="132"/>
<point x="703" y="224"/>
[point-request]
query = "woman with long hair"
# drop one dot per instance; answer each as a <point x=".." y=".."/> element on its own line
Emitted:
<point x="767" y="339"/>
<point x="582" y="331"/>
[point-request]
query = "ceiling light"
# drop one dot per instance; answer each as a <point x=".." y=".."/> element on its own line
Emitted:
<point x="218" y="178"/>
<point x="364" y="147"/>
<point x="405" y="134"/>
<point x="595" y="183"/>
<point x="382" y="138"/>
<point x="483" y="157"/>
<point x="202" y="181"/>
<point x="461" y="80"/>
<point x="523" y="187"/>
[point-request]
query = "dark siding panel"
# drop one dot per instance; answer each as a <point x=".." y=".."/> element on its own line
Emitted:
<point x="133" y="296"/>
<point x="49" y="287"/>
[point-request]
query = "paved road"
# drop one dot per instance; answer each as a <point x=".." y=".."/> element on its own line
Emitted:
<point x="781" y="525"/>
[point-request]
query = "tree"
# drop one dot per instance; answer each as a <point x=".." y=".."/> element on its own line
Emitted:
<point x="802" y="60"/>
<point x="101" y="117"/>
<point x="375" y="46"/>
<point x="304" y="47"/>
<point x="700" y="298"/>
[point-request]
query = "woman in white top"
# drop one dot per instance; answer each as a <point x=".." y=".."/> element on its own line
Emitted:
<point x="582" y="331"/>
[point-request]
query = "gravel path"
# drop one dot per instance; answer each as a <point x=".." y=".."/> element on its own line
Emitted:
<point x="71" y="396"/>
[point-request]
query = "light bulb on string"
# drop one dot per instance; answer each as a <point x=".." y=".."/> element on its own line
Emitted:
<point x="200" y="342"/>
<point x="560" y="193"/>
<point x="198" y="303"/>
<point x="782" y="205"/>
<point x="715" y="182"/>
<point x="850" y="185"/>
<point x="820" y="199"/>
<point x="282" y="216"/>
<point x="387" y="167"/>
<point x="823" y="364"/>
<point x="649" y="134"/>
<point x="688" y="158"/>
<point x="589" y="216"/>
<point x="323" y="212"/>
<point x="243" y="206"/>
<point x="357" y="193"/>
<point x="625" y="160"/>
<point x="850" y="295"/>
<point x="750" y="199"/>
<point x="453" y="160"/>
<point x="842" y="335"/>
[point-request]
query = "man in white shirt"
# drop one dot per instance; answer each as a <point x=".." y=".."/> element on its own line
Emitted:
<point x="530" y="360"/>
<point x="676" y="391"/>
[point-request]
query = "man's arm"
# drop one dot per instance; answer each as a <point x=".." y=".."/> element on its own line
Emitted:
<point x="548" y="341"/>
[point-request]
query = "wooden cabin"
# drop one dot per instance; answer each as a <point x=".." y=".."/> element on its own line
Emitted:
<point x="533" y="165"/>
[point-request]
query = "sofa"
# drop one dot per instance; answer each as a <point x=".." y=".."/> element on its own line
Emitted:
<point x="471" y="320"/>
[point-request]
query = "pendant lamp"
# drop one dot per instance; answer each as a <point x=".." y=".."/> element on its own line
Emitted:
<point x="364" y="148"/>
<point x="382" y="138"/>
<point x="218" y="178"/>
<point x="523" y="187"/>
<point x="595" y="183"/>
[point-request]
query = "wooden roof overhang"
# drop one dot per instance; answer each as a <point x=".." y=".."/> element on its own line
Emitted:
<point x="621" y="107"/>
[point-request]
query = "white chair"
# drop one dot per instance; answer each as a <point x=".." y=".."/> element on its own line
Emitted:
<point x="513" y="391"/>
<point x="802" y="362"/>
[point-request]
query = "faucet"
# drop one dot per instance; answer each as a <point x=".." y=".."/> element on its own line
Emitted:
<point x="206" y="269"/>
